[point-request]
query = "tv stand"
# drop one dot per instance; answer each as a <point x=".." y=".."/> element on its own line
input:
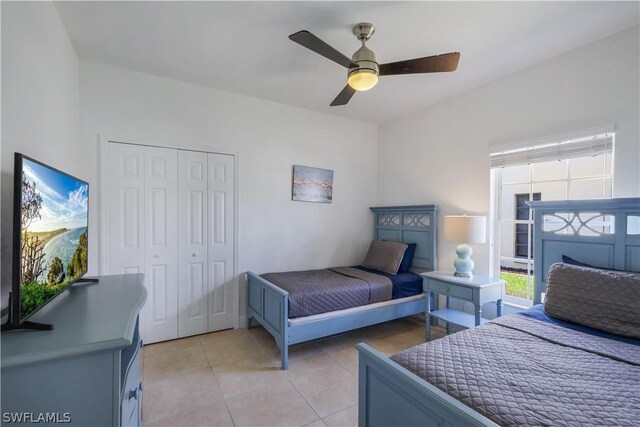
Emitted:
<point x="13" y="321"/>
<point x="36" y="326"/>
<point x="89" y="367"/>
<point x="87" y="280"/>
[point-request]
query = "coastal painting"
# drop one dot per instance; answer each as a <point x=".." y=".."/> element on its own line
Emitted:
<point x="312" y="184"/>
<point x="53" y="234"/>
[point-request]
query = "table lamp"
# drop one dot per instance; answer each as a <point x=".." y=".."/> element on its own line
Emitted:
<point x="465" y="229"/>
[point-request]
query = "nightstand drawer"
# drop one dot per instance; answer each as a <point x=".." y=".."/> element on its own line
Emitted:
<point x="451" y="290"/>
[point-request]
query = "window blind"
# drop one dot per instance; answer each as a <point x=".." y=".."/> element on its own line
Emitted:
<point x="583" y="147"/>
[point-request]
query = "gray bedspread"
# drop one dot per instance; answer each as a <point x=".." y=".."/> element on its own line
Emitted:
<point x="330" y="289"/>
<point x="519" y="371"/>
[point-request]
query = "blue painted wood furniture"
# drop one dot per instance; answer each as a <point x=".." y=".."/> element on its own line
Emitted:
<point x="269" y="305"/>
<point x="88" y="366"/>
<point x="477" y="290"/>
<point x="603" y="233"/>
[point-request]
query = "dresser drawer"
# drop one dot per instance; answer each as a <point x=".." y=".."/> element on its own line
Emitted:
<point x="455" y="291"/>
<point x="132" y="391"/>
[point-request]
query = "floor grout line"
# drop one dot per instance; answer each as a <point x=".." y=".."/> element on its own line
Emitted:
<point x="329" y="346"/>
<point x="304" y="398"/>
<point x="224" y="399"/>
<point x="266" y="351"/>
<point x="348" y="407"/>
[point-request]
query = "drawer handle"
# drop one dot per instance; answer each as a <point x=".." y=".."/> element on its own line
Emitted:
<point x="448" y="289"/>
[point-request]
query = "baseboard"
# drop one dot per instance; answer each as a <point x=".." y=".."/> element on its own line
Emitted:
<point x="243" y="322"/>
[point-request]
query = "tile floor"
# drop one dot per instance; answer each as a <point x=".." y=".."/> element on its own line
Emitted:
<point x="233" y="377"/>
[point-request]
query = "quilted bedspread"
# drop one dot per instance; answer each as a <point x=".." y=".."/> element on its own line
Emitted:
<point x="519" y="371"/>
<point x="330" y="289"/>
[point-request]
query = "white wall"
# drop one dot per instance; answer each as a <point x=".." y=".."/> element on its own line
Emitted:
<point x="437" y="155"/>
<point x="275" y="233"/>
<point x="40" y="116"/>
<point x="440" y="154"/>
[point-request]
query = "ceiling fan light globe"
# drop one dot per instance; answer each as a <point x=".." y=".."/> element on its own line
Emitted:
<point x="362" y="80"/>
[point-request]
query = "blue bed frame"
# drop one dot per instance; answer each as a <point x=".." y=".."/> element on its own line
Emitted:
<point x="603" y="233"/>
<point x="268" y="305"/>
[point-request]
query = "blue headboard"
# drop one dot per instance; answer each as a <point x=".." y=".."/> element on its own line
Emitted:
<point x="409" y="224"/>
<point x="602" y="233"/>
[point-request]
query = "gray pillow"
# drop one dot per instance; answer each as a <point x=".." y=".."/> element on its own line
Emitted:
<point x="600" y="299"/>
<point x="384" y="256"/>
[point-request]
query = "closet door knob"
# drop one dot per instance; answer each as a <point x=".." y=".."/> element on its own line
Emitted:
<point x="156" y="256"/>
<point x="194" y="254"/>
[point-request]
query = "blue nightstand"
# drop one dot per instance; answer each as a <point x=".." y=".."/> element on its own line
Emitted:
<point x="477" y="290"/>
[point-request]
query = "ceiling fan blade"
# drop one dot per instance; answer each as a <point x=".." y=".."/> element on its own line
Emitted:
<point x="344" y="96"/>
<point x="430" y="64"/>
<point x="308" y="40"/>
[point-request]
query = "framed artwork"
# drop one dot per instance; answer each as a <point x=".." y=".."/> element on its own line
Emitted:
<point x="312" y="184"/>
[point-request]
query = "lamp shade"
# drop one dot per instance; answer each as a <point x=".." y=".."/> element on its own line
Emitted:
<point x="465" y="229"/>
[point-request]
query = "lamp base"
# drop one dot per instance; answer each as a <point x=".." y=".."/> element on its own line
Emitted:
<point x="459" y="274"/>
<point x="464" y="264"/>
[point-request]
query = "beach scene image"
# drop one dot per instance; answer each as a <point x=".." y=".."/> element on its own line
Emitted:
<point x="53" y="234"/>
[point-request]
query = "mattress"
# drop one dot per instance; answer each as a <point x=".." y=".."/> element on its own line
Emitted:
<point x="319" y="291"/>
<point x="537" y="312"/>
<point x="406" y="284"/>
<point x="525" y="369"/>
<point x="353" y="310"/>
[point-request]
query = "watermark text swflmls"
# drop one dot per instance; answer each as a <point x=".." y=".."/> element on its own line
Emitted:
<point x="36" y="417"/>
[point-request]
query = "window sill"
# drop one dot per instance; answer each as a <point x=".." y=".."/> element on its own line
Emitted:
<point x="517" y="302"/>
<point x="517" y="306"/>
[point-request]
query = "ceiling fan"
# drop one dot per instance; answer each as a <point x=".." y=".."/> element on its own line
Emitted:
<point x="363" y="66"/>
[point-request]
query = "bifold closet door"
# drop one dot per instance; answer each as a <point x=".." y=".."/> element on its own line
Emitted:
<point x="171" y="217"/>
<point x="192" y="243"/>
<point x="125" y="210"/>
<point x="160" y="313"/>
<point x="142" y="235"/>
<point x="221" y="195"/>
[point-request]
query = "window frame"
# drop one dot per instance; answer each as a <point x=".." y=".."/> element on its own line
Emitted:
<point x="497" y="222"/>
<point x="519" y="196"/>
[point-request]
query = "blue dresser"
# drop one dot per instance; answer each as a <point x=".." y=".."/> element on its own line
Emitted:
<point x="87" y="370"/>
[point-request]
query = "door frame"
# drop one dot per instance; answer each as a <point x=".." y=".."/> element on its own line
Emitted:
<point x="103" y="217"/>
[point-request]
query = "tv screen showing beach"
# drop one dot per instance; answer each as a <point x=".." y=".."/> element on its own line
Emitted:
<point x="53" y="237"/>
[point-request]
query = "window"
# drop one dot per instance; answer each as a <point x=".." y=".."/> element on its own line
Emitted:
<point x="523" y="213"/>
<point x="549" y="172"/>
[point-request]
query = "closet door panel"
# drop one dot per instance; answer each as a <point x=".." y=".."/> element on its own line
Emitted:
<point x="171" y="216"/>
<point x="222" y="307"/>
<point x="192" y="243"/>
<point x="160" y="314"/>
<point x="126" y="209"/>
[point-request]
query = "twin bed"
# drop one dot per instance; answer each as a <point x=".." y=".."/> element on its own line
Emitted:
<point x="555" y="365"/>
<point x="320" y="303"/>
<point x="532" y="368"/>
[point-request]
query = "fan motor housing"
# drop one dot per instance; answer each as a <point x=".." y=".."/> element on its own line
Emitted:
<point x="366" y="59"/>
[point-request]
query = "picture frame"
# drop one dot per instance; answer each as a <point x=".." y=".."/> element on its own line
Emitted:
<point x="311" y="184"/>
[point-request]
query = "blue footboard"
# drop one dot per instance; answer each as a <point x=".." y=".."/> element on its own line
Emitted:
<point x="269" y="305"/>
<point x="390" y="395"/>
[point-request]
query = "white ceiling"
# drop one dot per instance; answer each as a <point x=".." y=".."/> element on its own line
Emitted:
<point x="243" y="47"/>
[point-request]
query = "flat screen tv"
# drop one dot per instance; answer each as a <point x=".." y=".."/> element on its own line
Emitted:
<point x="50" y="246"/>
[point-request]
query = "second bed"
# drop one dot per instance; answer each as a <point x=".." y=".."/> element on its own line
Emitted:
<point x="295" y="307"/>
